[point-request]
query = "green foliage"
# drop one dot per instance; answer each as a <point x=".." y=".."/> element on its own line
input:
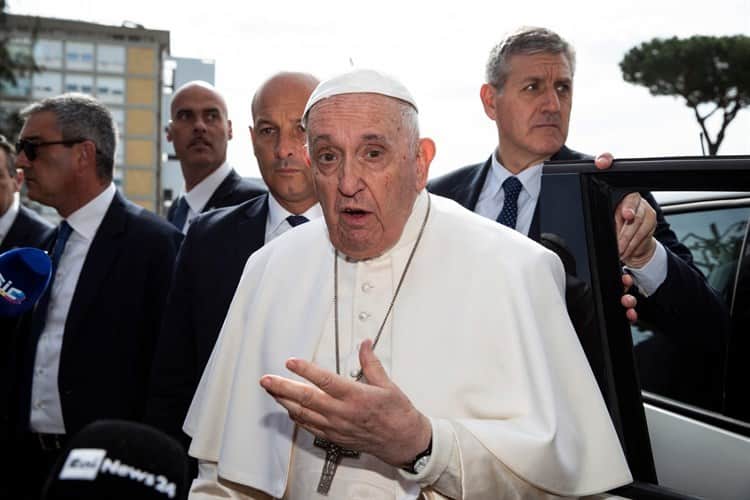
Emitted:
<point x="11" y="66"/>
<point x="701" y="69"/>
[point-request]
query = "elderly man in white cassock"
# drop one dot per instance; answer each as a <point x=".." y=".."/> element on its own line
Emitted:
<point x="402" y="348"/>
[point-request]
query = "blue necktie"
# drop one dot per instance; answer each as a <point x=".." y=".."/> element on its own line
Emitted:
<point x="296" y="220"/>
<point x="40" y="313"/>
<point x="180" y="213"/>
<point x="508" y="215"/>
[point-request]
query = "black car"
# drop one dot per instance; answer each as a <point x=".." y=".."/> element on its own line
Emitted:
<point x="675" y="447"/>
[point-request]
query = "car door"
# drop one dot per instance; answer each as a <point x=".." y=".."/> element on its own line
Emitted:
<point x="676" y="445"/>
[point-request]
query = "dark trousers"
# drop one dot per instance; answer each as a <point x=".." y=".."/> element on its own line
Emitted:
<point x="27" y="464"/>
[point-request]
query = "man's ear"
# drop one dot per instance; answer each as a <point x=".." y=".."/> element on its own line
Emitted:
<point x="229" y="129"/>
<point x="487" y="94"/>
<point x="425" y="154"/>
<point x="85" y="155"/>
<point x="308" y="162"/>
<point x="18" y="179"/>
<point x="168" y="130"/>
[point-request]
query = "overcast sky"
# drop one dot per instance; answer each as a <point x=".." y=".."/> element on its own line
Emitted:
<point x="439" y="53"/>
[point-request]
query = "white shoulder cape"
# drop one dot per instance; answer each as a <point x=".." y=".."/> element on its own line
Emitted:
<point x="481" y="337"/>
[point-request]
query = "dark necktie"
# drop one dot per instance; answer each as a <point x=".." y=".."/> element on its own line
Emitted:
<point x="180" y="213"/>
<point x="40" y="313"/>
<point x="508" y="215"/>
<point x="296" y="220"/>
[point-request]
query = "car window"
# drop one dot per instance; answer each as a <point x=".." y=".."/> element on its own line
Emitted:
<point x="714" y="232"/>
<point x="714" y="237"/>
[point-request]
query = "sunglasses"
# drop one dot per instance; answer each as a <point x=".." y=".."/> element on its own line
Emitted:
<point x="29" y="148"/>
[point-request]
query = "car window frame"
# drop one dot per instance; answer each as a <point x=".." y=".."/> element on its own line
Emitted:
<point x="587" y="194"/>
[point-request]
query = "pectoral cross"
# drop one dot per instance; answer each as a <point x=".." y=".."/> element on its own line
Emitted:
<point x="334" y="453"/>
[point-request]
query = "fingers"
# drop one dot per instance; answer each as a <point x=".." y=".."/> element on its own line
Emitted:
<point x="629" y="302"/>
<point x="604" y="161"/>
<point x="627" y="282"/>
<point x="326" y="380"/>
<point x="372" y="368"/>
<point x="632" y="315"/>
<point x="307" y="405"/>
<point x="635" y="222"/>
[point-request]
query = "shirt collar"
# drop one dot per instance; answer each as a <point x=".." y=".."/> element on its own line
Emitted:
<point x="200" y="194"/>
<point x="530" y="177"/>
<point x="9" y="217"/>
<point x="277" y="214"/>
<point x="87" y="219"/>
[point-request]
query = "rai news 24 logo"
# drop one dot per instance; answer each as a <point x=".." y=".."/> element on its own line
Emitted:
<point x="86" y="464"/>
<point x="9" y="293"/>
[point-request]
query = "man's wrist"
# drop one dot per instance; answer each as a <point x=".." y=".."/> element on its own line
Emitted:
<point x="420" y="461"/>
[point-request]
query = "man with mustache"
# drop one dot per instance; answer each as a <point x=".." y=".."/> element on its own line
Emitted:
<point x="200" y="129"/>
<point x="359" y="359"/>
<point x="218" y="243"/>
<point x="529" y="96"/>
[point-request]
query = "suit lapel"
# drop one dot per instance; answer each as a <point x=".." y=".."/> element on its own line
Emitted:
<point x="468" y="193"/>
<point x="104" y="251"/>
<point x="252" y="228"/>
<point x="222" y="192"/>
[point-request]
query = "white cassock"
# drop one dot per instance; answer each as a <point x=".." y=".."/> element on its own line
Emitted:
<point x="479" y="340"/>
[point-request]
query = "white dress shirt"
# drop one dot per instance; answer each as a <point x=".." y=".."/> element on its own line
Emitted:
<point x="276" y="223"/>
<point x="46" y="408"/>
<point x="9" y="217"/>
<point x="647" y="278"/>
<point x="197" y="197"/>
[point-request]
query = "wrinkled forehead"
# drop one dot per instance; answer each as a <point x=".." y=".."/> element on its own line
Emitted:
<point x="360" y="107"/>
<point x="540" y="65"/>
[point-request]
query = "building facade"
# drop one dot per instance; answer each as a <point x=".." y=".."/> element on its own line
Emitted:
<point x="122" y="66"/>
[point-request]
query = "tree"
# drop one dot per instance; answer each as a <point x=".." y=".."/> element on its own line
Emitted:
<point x="710" y="73"/>
<point x="11" y="66"/>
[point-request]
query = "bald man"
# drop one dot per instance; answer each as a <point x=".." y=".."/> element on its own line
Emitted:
<point x="218" y="243"/>
<point x="200" y="130"/>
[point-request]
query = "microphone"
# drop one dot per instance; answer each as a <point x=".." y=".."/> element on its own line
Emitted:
<point x="24" y="275"/>
<point x="117" y="459"/>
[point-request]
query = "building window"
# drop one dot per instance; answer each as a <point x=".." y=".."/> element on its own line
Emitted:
<point x="79" y="56"/>
<point x="48" y="54"/>
<point x="110" y="90"/>
<point x="79" y="83"/>
<point x="110" y="59"/>
<point x="46" y="84"/>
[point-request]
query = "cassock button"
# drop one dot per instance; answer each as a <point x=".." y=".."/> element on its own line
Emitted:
<point x="367" y="286"/>
<point x="363" y="316"/>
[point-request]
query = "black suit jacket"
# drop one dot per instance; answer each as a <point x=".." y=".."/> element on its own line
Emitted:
<point x="28" y="230"/>
<point x="111" y="327"/>
<point x="233" y="190"/>
<point x="209" y="267"/>
<point x="686" y="358"/>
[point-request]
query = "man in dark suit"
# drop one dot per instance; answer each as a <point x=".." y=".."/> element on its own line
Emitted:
<point x="529" y="94"/>
<point x="85" y="352"/>
<point x="19" y="226"/>
<point x="200" y="130"/>
<point x="218" y="243"/>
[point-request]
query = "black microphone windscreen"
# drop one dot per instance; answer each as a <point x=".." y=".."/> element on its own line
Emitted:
<point x="116" y="459"/>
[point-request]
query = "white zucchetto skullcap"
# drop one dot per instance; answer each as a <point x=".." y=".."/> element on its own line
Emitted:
<point x="359" y="81"/>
